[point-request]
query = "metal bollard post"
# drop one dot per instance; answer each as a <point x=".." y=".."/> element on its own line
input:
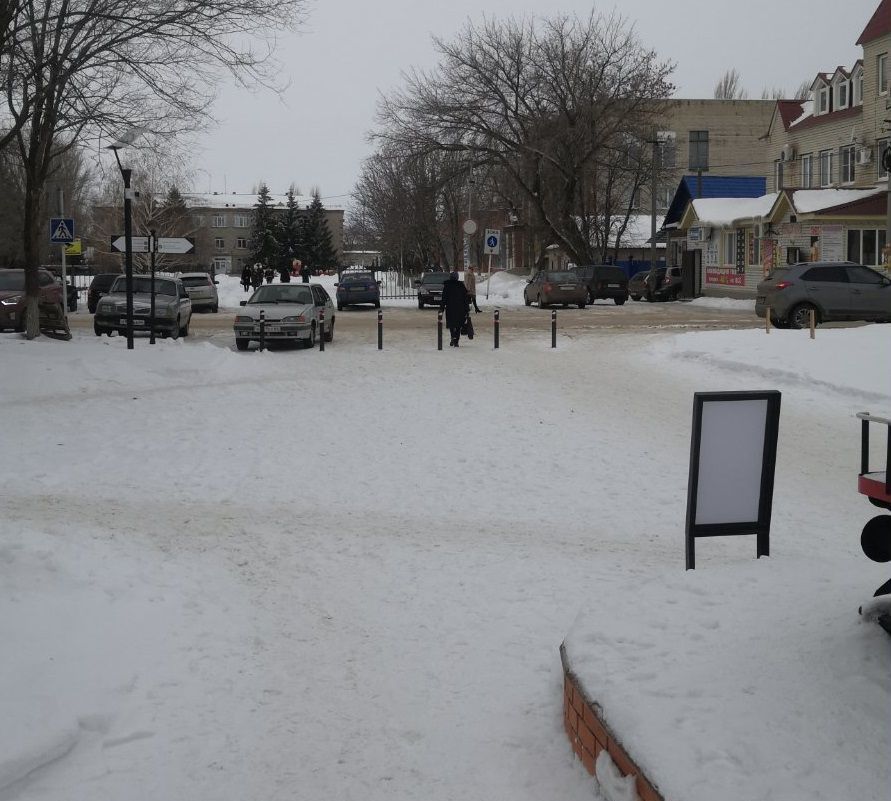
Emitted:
<point x="439" y="330"/>
<point x="380" y="329"/>
<point x="813" y="321"/>
<point x="553" y="328"/>
<point x="262" y="330"/>
<point x="767" y="319"/>
<point x="497" y="316"/>
<point x="321" y="330"/>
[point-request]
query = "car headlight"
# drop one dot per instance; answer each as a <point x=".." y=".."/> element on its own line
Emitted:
<point x="11" y="301"/>
<point x="299" y="318"/>
<point x="243" y="318"/>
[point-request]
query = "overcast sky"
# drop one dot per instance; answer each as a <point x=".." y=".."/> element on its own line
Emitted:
<point x="349" y="51"/>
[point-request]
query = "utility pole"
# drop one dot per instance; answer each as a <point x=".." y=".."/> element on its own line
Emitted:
<point x="64" y="266"/>
<point x="653" y="176"/>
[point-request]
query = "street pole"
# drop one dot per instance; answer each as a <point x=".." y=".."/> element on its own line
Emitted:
<point x="128" y="259"/>
<point x="64" y="266"/>
<point x="653" y="203"/>
<point x="153" y="248"/>
<point x="467" y="258"/>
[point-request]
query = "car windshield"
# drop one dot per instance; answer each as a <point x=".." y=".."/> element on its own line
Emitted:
<point x="142" y="285"/>
<point x="640" y="276"/>
<point x="195" y="280"/>
<point x="434" y="278"/>
<point x="282" y="294"/>
<point x="357" y="278"/>
<point x="563" y="276"/>
<point x="12" y="279"/>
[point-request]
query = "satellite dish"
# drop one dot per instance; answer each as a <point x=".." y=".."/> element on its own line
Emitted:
<point x="470" y="227"/>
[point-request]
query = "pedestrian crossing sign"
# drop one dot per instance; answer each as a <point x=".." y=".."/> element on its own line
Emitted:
<point x="61" y="231"/>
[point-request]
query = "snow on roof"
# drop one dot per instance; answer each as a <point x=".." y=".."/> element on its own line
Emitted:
<point x="244" y="200"/>
<point x="726" y="211"/>
<point x="810" y="200"/>
<point x="807" y="110"/>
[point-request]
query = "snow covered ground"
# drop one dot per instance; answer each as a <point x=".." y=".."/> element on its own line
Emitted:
<point x="347" y="574"/>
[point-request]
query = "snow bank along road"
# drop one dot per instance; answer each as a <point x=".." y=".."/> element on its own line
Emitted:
<point x="239" y="576"/>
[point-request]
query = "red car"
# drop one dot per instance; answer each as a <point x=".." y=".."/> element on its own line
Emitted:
<point x="12" y="296"/>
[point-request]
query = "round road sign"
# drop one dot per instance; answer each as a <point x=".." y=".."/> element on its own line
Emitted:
<point x="470" y="227"/>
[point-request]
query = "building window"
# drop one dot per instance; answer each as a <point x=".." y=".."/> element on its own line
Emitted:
<point x="668" y="146"/>
<point x="242" y="221"/>
<point x="823" y="100"/>
<point x="198" y="220"/>
<point x="825" y="168"/>
<point x="699" y="150"/>
<point x="807" y="171"/>
<point x="846" y="164"/>
<point x="778" y="175"/>
<point x="219" y="244"/>
<point x="882" y="73"/>
<point x="756" y="249"/>
<point x="865" y="246"/>
<point x="730" y="247"/>
<point x="841" y="95"/>
<point x="219" y="221"/>
<point x="241" y="243"/>
<point x="881" y="147"/>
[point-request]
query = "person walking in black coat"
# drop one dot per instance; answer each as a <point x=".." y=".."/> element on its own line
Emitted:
<point x="257" y="276"/>
<point x="454" y="303"/>
<point x="246" y="277"/>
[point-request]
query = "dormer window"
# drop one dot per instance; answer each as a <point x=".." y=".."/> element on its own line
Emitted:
<point x="842" y="90"/>
<point x="823" y="100"/>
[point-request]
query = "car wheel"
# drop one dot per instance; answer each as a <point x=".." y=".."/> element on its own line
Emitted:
<point x="541" y="303"/>
<point x="215" y="309"/>
<point x="582" y="305"/>
<point x="329" y="333"/>
<point x="776" y="322"/>
<point x="241" y="343"/>
<point x="649" y="297"/>
<point x="526" y="299"/>
<point x="174" y="333"/>
<point x="184" y="331"/>
<point x="620" y="301"/>
<point x="800" y="316"/>
<point x="339" y="306"/>
<point x="98" y="330"/>
<point x="635" y="297"/>
<point x="589" y="298"/>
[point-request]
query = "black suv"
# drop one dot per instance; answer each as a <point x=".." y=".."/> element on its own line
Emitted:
<point x="604" y="281"/>
<point x="430" y="289"/>
<point x="99" y="286"/>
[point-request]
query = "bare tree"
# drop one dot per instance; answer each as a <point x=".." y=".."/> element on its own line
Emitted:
<point x="78" y="70"/>
<point x="543" y="102"/>
<point x="773" y="93"/>
<point x="729" y="87"/>
<point x="803" y="92"/>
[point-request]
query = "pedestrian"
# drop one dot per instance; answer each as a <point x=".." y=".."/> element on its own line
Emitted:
<point x="470" y="283"/>
<point x="246" y="277"/>
<point x="285" y="274"/>
<point x="454" y="303"/>
<point x="269" y="274"/>
<point x="257" y="276"/>
<point x="305" y="273"/>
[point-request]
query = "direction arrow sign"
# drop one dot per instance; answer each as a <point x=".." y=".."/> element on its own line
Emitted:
<point x="175" y="244"/>
<point x="139" y="244"/>
<point x="61" y="230"/>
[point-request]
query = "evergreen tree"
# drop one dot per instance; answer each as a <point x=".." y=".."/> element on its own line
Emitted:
<point x="264" y="242"/>
<point x="317" y="236"/>
<point x="172" y="218"/>
<point x="290" y="231"/>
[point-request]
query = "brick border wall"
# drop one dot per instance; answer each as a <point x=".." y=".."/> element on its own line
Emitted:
<point x="589" y="735"/>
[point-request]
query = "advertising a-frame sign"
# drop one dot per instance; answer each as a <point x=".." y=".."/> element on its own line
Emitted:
<point x="733" y="457"/>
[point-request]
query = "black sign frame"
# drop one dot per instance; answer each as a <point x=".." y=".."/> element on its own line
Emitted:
<point x="759" y="527"/>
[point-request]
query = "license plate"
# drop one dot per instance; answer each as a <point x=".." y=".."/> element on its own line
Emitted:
<point x="271" y="329"/>
<point x="565" y="286"/>
<point x="136" y="321"/>
<point x="613" y="286"/>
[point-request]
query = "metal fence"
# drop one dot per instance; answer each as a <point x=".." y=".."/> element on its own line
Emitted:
<point x="397" y="284"/>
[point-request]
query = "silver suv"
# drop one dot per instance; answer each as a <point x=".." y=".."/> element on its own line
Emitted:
<point x="833" y="290"/>
<point x="202" y="291"/>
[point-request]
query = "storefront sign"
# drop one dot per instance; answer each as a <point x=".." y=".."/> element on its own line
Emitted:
<point x="832" y="243"/>
<point x="725" y="276"/>
<point x="741" y="251"/>
<point x="768" y="255"/>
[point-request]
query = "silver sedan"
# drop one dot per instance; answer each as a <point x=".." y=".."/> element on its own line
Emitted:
<point x="285" y="313"/>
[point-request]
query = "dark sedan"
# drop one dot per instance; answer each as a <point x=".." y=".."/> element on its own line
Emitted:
<point x="604" y="282"/>
<point x="551" y="287"/>
<point x="358" y="287"/>
<point x="430" y="289"/>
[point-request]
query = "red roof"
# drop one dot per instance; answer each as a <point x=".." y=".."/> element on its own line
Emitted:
<point x="789" y="111"/>
<point x="879" y="25"/>
<point x="834" y="116"/>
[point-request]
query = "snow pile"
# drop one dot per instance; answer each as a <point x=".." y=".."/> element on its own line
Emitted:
<point x="729" y="304"/>
<point x="505" y="289"/>
<point x="613" y="785"/>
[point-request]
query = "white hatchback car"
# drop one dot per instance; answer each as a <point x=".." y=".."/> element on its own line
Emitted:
<point x="289" y="312"/>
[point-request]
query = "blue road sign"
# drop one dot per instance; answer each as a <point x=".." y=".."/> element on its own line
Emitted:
<point x="61" y="230"/>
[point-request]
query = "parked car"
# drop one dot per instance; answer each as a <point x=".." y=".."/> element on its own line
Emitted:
<point x="430" y="288"/>
<point x="551" y="287"/>
<point x="669" y="284"/>
<point x="173" y="309"/>
<point x="637" y="284"/>
<point x="832" y="290"/>
<point x="604" y="281"/>
<point x="202" y="291"/>
<point x="71" y="295"/>
<point x="358" y="287"/>
<point x="292" y="313"/>
<point x="99" y="286"/>
<point x="12" y="296"/>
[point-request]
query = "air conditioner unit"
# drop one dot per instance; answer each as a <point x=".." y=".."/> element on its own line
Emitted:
<point x="864" y="155"/>
<point x="788" y="153"/>
<point x="758" y="231"/>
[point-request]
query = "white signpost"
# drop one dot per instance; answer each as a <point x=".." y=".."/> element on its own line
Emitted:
<point x="491" y="247"/>
<point x="166" y="244"/>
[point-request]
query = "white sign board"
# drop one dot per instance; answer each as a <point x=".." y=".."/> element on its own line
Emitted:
<point x="492" y="243"/>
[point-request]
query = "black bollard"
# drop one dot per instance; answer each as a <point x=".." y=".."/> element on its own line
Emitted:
<point x="439" y="330"/>
<point x="321" y="329"/>
<point x="553" y="328"/>
<point x="380" y="329"/>
<point x="262" y="330"/>
<point x="497" y="316"/>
